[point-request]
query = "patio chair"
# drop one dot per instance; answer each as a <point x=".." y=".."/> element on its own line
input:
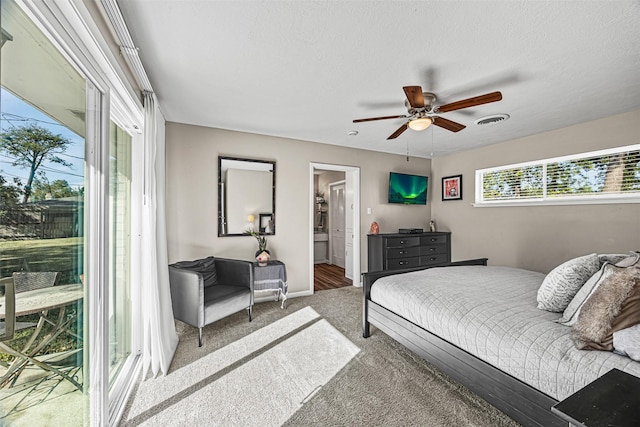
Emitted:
<point x="21" y="282"/>
<point x="8" y="303"/>
<point x="32" y="280"/>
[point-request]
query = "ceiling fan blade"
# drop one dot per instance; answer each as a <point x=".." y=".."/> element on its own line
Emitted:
<point x="379" y="118"/>
<point x="448" y="124"/>
<point x="471" y="102"/>
<point x="399" y="131"/>
<point x="414" y="96"/>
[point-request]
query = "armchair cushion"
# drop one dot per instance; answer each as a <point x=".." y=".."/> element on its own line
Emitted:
<point x="222" y="300"/>
<point x="205" y="266"/>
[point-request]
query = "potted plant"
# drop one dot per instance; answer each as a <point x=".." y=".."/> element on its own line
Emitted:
<point x="262" y="255"/>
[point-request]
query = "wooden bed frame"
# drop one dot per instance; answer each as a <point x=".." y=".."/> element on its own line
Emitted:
<point x="520" y="401"/>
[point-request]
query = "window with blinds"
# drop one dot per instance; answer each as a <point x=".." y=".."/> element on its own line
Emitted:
<point x="606" y="176"/>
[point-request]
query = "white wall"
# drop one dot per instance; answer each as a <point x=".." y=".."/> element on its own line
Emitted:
<point x="538" y="238"/>
<point x="192" y="158"/>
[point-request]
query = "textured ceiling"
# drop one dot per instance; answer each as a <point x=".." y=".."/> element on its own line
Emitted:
<point x="306" y="69"/>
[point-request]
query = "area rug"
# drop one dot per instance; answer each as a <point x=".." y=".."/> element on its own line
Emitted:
<point x="306" y="365"/>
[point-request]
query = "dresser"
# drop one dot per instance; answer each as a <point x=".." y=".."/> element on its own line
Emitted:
<point x="395" y="251"/>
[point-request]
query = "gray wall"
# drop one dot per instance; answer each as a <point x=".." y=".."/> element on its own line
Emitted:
<point x="538" y="238"/>
<point x="192" y="195"/>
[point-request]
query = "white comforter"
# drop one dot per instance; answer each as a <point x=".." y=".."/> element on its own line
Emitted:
<point x="491" y="313"/>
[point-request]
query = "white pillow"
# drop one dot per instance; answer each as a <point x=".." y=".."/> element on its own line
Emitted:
<point x="627" y="342"/>
<point x="564" y="281"/>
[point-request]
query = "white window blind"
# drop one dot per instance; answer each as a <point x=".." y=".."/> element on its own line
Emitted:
<point x="606" y="176"/>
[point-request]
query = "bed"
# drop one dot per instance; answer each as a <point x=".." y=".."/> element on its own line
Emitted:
<point x="481" y="326"/>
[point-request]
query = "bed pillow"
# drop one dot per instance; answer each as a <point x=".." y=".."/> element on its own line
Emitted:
<point x="570" y="315"/>
<point x="627" y="342"/>
<point x="613" y="306"/>
<point x="611" y="258"/>
<point x="564" y="281"/>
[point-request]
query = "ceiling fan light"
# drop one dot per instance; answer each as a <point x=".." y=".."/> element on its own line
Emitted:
<point x="420" y="123"/>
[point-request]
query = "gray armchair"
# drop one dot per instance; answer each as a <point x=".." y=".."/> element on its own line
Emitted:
<point x="209" y="289"/>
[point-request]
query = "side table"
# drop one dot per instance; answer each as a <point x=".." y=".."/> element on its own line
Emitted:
<point x="611" y="400"/>
<point x="272" y="276"/>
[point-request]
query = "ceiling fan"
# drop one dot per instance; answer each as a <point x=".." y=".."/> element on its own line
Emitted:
<point x="422" y="111"/>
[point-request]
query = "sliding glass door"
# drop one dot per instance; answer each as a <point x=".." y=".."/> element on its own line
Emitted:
<point x="66" y="209"/>
<point x="42" y="216"/>
<point x="120" y="249"/>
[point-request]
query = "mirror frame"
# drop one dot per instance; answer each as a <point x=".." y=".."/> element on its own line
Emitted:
<point x="273" y="195"/>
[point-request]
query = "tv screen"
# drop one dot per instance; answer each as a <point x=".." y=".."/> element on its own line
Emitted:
<point x="407" y="189"/>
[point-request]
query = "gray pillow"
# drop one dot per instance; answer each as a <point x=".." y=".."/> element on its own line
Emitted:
<point x="570" y="315"/>
<point x="564" y="281"/>
<point x="611" y="258"/>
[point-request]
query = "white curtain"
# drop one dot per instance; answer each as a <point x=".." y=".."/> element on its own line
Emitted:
<point x="160" y="337"/>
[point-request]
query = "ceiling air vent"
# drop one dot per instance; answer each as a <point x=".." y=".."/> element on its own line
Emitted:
<point x="491" y="120"/>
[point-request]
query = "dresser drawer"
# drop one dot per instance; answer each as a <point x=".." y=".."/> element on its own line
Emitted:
<point x="397" y="263"/>
<point x="401" y="242"/>
<point x="429" y="240"/>
<point x="434" y="259"/>
<point x="433" y="249"/>
<point x="403" y="252"/>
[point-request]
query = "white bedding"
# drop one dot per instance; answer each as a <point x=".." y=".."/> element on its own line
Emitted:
<point x="491" y="313"/>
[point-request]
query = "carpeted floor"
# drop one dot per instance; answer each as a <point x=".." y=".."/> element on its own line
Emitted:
<point x="306" y="365"/>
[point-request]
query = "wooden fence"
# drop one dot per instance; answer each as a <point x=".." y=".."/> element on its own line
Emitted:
<point x="41" y="221"/>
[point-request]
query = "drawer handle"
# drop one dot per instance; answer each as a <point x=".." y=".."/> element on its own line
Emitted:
<point x="433" y="239"/>
<point x="432" y="249"/>
<point x="401" y="263"/>
<point x="402" y="242"/>
<point x="402" y="252"/>
<point x="433" y="258"/>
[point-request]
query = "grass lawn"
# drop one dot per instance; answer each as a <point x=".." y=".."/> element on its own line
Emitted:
<point x="64" y="255"/>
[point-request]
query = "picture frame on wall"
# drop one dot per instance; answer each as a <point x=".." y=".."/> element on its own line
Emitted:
<point x="452" y="187"/>
<point x="266" y="223"/>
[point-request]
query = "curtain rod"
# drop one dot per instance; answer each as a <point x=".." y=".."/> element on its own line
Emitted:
<point x="127" y="47"/>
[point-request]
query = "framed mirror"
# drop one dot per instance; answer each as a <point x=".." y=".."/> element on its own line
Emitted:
<point x="246" y="196"/>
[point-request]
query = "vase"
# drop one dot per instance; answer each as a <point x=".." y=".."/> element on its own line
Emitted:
<point x="375" y="228"/>
<point x="263" y="257"/>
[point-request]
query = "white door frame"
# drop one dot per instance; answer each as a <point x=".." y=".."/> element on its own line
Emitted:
<point x="71" y="28"/>
<point x="352" y="176"/>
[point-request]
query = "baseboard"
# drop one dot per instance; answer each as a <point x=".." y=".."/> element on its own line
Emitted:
<point x="269" y="295"/>
<point x="299" y="294"/>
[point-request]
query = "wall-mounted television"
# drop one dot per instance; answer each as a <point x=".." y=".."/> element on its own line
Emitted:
<point x="408" y="189"/>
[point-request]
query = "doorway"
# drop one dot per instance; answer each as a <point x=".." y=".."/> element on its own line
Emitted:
<point x="342" y="261"/>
